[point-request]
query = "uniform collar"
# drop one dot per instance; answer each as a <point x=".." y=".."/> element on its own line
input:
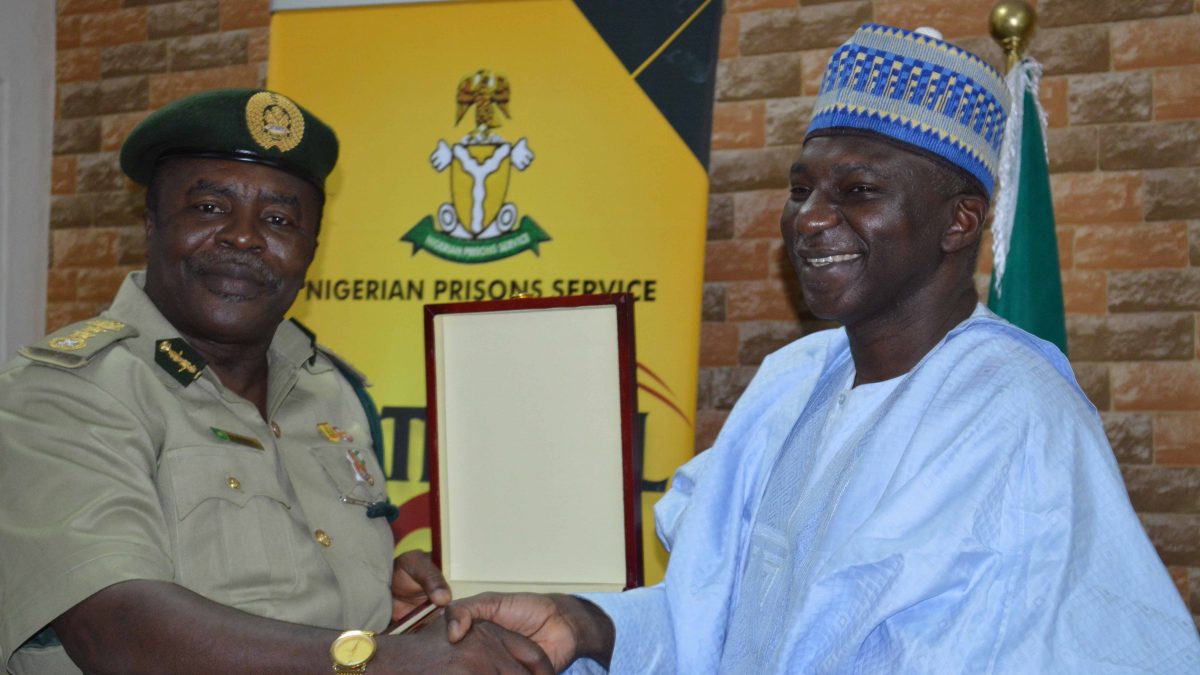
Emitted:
<point x="290" y="347"/>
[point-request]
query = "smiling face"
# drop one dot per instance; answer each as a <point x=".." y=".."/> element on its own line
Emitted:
<point x="866" y="230"/>
<point x="228" y="244"/>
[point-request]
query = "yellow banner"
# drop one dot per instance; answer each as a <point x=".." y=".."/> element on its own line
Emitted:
<point x="490" y="149"/>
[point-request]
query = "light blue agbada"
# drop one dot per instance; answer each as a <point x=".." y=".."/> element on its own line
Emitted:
<point x="965" y="517"/>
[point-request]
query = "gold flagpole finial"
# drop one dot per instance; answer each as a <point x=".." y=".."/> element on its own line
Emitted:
<point x="1011" y="25"/>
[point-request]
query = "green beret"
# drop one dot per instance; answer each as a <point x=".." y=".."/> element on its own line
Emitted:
<point x="251" y="125"/>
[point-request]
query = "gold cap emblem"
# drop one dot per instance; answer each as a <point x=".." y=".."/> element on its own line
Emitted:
<point x="274" y="121"/>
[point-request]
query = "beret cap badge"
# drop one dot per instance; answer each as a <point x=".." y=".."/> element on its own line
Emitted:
<point x="274" y="121"/>
<point x="246" y="125"/>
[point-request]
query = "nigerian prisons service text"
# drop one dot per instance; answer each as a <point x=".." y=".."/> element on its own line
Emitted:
<point x="467" y="290"/>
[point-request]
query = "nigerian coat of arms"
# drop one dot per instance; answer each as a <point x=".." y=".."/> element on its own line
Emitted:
<point x="478" y="224"/>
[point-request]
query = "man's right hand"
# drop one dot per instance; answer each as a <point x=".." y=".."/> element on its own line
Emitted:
<point x="564" y="626"/>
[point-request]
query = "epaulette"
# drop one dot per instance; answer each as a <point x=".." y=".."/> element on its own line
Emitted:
<point x="75" y="345"/>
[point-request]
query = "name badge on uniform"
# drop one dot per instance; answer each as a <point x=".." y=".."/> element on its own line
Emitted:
<point x="230" y="437"/>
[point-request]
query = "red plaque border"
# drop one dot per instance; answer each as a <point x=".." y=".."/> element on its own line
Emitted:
<point x="627" y="362"/>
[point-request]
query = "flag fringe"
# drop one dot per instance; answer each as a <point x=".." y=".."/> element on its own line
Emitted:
<point x="1025" y="76"/>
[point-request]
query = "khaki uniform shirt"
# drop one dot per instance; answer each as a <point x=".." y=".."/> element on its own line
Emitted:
<point x="113" y="470"/>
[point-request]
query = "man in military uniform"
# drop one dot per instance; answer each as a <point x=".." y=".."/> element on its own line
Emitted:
<point x="187" y="482"/>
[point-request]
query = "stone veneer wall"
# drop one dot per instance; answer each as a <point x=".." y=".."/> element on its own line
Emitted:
<point x="1122" y="90"/>
<point x="117" y="61"/>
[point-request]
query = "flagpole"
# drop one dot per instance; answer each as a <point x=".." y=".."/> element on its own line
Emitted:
<point x="1011" y="24"/>
<point x="1026" y="285"/>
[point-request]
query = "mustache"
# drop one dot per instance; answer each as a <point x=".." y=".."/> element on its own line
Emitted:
<point x="237" y="264"/>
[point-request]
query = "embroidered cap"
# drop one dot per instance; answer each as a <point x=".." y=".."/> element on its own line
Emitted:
<point x="250" y="125"/>
<point x="917" y="89"/>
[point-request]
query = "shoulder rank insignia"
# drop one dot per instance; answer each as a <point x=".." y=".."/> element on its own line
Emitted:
<point x="179" y="359"/>
<point x="75" y="345"/>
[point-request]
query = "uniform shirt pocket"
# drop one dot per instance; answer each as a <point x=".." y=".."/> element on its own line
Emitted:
<point x="355" y="494"/>
<point x="365" y="483"/>
<point x="234" y="530"/>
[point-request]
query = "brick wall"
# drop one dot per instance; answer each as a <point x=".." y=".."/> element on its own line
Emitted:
<point x="1122" y="89"/>
<point x="118" y="60"/>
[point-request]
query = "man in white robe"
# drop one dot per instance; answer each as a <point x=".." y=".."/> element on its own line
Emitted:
<point x="925" y="490"/>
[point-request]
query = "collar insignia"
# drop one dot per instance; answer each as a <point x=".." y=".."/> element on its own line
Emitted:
<point x="179" y="360"/>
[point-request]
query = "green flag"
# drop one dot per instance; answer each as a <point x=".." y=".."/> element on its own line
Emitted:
<point x="1026" y="287"/>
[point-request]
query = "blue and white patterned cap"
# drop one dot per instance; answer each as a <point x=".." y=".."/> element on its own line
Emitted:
<point x="919" y="90"/>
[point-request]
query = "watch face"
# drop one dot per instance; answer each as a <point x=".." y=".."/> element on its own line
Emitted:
<point x="352" y="649"/>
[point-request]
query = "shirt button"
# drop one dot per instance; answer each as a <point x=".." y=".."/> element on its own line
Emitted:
<point x="842" y="398"/>
<point x="275" y="429"/>
<point x="234" y="483"/>
<point x="323" y="538"/>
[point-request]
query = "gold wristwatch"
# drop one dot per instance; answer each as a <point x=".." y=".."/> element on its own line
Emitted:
<point x="352" y="650"/>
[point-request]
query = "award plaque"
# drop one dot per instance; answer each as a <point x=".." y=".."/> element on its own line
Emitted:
<point x="531" y="423"/>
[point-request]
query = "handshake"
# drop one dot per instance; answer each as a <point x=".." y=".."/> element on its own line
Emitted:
<point x="489" y="632"/>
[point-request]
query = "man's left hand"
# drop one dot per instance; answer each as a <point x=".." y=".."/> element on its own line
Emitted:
<point x="415" y="581"/>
